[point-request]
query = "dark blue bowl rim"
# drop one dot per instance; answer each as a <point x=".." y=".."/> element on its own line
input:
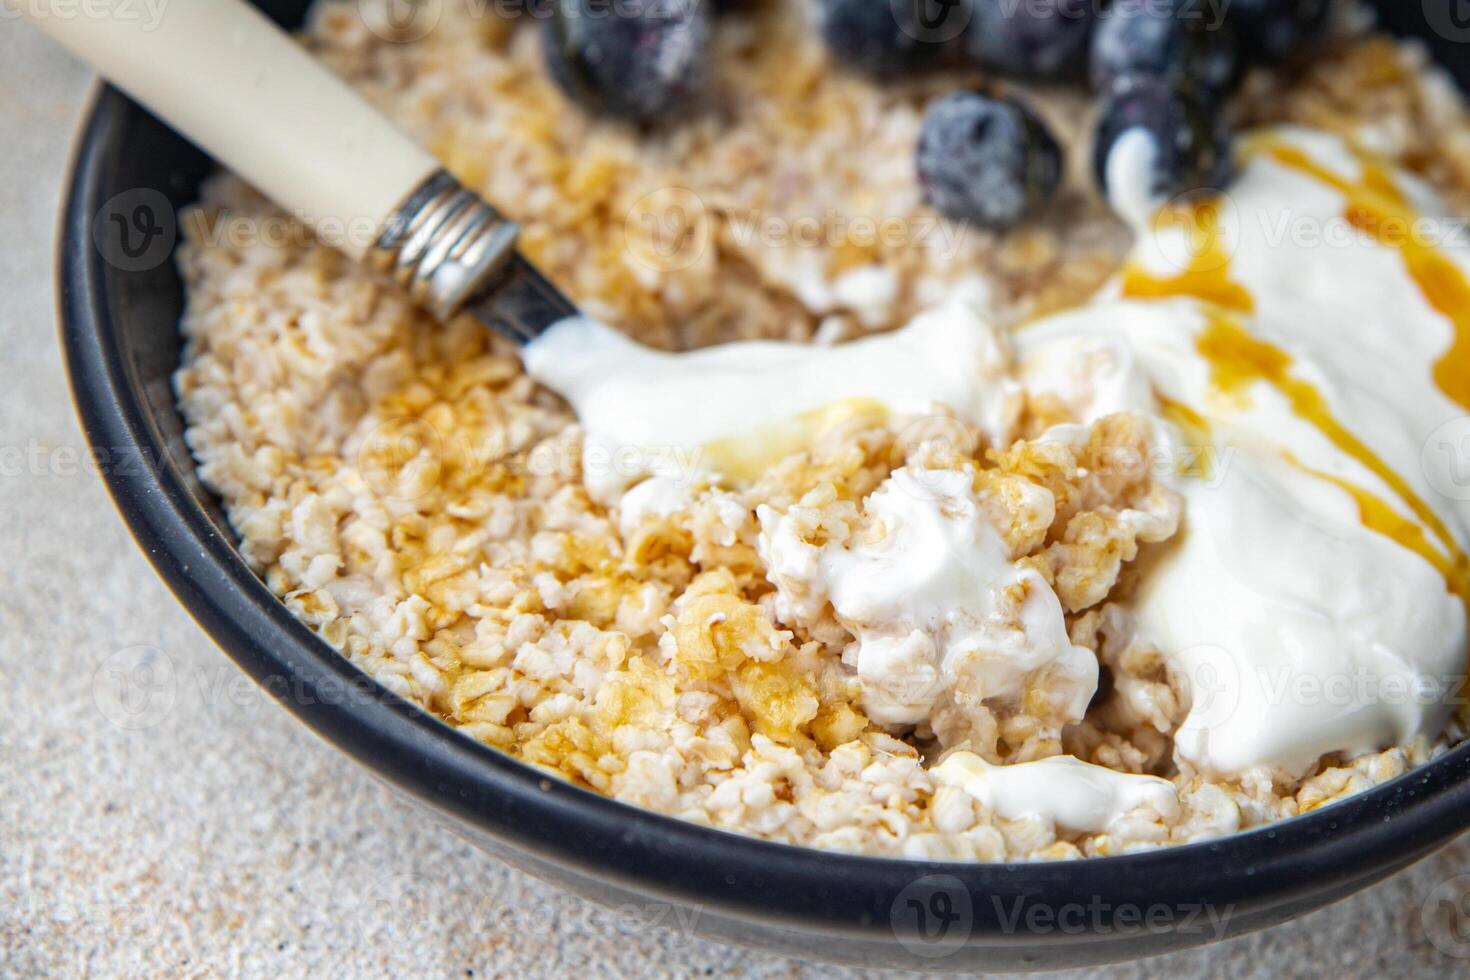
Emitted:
<point x="1326" y="852"/>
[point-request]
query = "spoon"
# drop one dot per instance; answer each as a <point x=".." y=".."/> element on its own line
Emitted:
<point x="239" y="87"/>
<point x="232" y="82"/>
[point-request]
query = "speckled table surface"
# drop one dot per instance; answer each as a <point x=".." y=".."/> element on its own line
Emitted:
<point x="215" y="836"/>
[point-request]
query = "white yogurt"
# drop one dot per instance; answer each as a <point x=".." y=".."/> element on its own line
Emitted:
<point x="1075" y="796"/>
<point x="1128" y="176"/>
<point x="649" y="412"/>
<point x="927" y="587"/>
<point x="1297" y="629"/>
<point x="658" y="496"/>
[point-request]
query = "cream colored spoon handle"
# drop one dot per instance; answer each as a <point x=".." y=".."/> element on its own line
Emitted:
<point x="235" y="84"/>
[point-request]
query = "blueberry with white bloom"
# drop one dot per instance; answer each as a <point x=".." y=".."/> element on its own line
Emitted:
<point x="1041" y="39"/>
<point x="986" y="160"/>
<point x="637" y="60"/>
<point x="1176" y="41"/>
<point x="891" y="37"/>
<point x="1154" y="142"/>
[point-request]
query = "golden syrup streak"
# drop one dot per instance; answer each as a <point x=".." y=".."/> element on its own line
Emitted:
<point x="1375" y="205"/>
<point x="1200" y="463"/>
<point x="1238" y="359"/>
<point x="1207" y="276"/>
<point x="744" y="458"/>
<point x="1378" y="515"/>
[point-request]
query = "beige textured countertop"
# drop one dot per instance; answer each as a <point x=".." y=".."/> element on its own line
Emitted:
<point x="220" y="838"/>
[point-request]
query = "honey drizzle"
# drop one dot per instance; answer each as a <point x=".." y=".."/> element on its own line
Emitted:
<point x="1207" y="277"/>
<point x="1377" y="207"/>
<point x="744" y="458"/>
<point x="1238" y="359"/>
<point x="1378" y="515"/>
<point x="1200" y="462"/>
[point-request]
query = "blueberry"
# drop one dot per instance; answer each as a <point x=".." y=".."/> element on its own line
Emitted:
<point x="1041" y="39"/>
<point x="890" y="37"/>
<point x="1154" y="142"/>
<point x="1176" y="41"/>
<point x="638" y="60"/>
<point x="1270" y="30"/>
<point x="986" y="159"/>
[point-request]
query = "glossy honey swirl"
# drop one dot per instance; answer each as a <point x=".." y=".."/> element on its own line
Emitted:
<point x="1376" y="206"/>
<point x="1239" y="359"/>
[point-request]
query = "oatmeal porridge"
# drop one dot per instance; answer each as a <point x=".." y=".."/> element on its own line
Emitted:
<point x="1054" y="541"/>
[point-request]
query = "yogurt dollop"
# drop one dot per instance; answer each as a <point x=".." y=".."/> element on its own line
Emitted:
<point x="1314" y="601"/>
<point x="1075" y="796"/>
<point x="733" y="409"/>
<point x="928" y="588"/>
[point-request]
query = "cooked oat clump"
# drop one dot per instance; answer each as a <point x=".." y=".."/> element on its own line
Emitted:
<point x="418" y="501"/>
